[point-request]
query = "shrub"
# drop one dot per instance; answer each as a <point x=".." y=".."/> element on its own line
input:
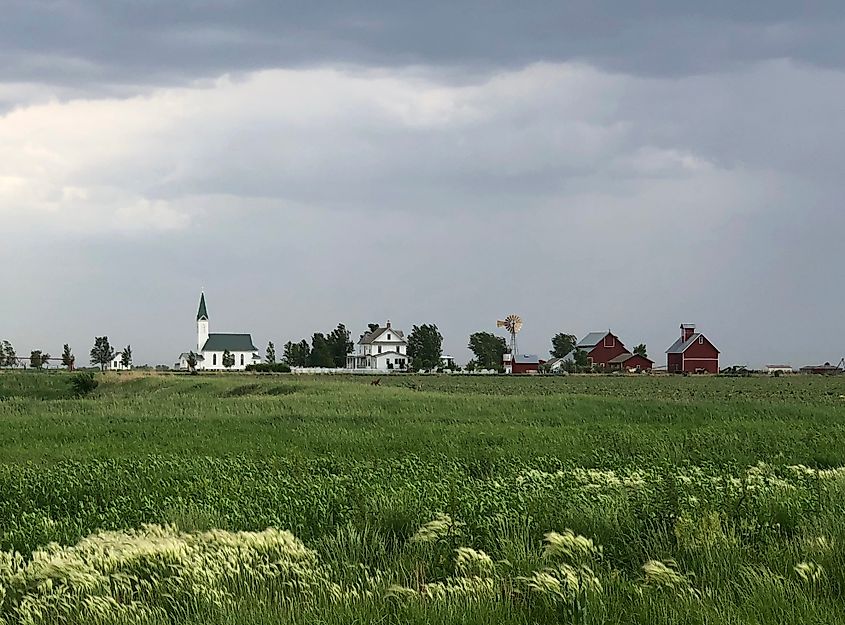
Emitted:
<point x="269" y="367"/>
<point x="83" y="384"/>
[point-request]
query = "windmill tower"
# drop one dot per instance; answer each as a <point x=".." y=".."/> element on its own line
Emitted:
<point x="513" y="324"/>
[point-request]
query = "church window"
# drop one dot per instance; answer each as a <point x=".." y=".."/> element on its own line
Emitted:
<point x="214" y="359"/>
<point x="242" y="359"/>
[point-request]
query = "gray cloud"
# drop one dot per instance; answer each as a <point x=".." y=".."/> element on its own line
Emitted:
<point x="109" y="45"/>
<point x="585" y="166"/>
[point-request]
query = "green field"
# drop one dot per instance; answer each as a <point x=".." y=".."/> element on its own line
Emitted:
<point x="431" y="499"/>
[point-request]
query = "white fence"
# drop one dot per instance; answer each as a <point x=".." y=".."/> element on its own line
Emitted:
<point x="337" y="371"/>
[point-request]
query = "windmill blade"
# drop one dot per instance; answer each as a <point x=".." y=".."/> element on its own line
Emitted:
<point x="513" y="323"/>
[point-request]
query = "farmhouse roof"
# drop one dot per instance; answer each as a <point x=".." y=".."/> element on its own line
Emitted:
<point x="202" y="312"/>
<point x="369" y="337"/>
<point x="186" y="354"/>
<point x="591" y="340"/>
<point x="220" y="342"/>
<point x="392" y="352"/>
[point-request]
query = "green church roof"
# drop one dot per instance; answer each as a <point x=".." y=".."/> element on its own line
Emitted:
<point x="232" y="342"/>
<point x="202" y="313"/>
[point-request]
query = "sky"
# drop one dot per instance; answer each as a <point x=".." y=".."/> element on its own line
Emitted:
<point x="587" y="165"/>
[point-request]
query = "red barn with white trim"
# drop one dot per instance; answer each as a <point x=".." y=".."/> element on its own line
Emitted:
<point x="601" y="347"/>
<point x="692" y="353"/>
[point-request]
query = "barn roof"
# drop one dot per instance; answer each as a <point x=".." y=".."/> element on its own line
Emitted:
<point x="623" y="358"/>
<point x="680" y="346"/>
<point x="526" y="359"/>
<point x="592" y="339"/>
<point x="233" y="342"/>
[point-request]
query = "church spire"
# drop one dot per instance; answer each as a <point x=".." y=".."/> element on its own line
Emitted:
<point x="202" y="313"/>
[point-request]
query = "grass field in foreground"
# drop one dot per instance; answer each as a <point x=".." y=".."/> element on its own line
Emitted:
<point x="660" y="473"/>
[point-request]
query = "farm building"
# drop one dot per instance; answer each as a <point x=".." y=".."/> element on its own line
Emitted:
<point x="601" y="348"/>
<point x="116" y="363"/>
<point x="521" y="363"/>
<point x="825" y="369"/>
<point x="631" y="362"/>
<point x="692" y="353"/>
<point x="773" y="369"/>
<point x="559" y="364"/>
<point x="382" y="349"/>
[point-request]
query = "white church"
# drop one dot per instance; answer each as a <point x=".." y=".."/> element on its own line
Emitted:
<point x="212" y="346"/>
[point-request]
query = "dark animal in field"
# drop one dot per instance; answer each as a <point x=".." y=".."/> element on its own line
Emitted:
<point x="376" y="382"/>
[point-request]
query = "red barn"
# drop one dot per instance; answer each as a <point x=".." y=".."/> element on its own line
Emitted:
<point x="627" y="362"/>
<point x="522" y="363"/>
<point x="601" y="347"/>
<point x="692" y="353"/>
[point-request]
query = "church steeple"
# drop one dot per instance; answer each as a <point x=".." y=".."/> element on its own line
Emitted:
<point x="202" y="324"/>
<point x="202" y="313"/>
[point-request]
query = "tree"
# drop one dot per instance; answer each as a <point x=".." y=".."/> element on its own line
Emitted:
<point x="321" y="353"/>
<point x="340" y="345"/>
<point x="640" y="350"/>
<point x="228" y="359"/>
<point x="581" y="360"/>
<point x="8" y="357"/>
<point x="36" y="360"/>
<point x="562" y="344"/>
<point x="488" y="349"/>
<point x="297" y="354"/>
<point x="271" y="353"/>
<point x="102" y="353"/>
<point x="68" y="359"/>
<point x="425" y="346"/>
<point x="191" y="361"/>
<point x="126" y="357"/>
<point x="372" y="327"/>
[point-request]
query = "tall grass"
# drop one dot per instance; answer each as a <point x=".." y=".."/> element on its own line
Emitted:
<point x="428" y="499"/>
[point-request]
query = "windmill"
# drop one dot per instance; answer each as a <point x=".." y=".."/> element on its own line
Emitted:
<point x="513" y="324"/>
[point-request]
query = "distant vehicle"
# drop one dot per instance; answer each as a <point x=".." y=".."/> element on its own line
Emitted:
<point x="736" y="371"/>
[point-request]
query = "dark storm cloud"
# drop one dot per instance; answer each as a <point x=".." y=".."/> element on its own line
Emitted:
<point x="108" y="42"/>
<point x="650" y="163"/>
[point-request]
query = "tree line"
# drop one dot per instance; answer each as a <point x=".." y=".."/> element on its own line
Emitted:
<point x="102" y="353"/>
<point x="330" y="350"/>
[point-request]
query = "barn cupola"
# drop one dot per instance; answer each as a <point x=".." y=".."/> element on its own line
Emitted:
<point x="687" y="330"/>
<point x="202" y="324"/>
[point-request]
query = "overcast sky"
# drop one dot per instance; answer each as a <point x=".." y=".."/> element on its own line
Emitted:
<point x="587" y="165"/>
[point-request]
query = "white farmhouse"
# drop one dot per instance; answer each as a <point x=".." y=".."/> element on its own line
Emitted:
<point x="382" y="349"/>
<point x="116" y="363"/>
<point x="212" y="346"/>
